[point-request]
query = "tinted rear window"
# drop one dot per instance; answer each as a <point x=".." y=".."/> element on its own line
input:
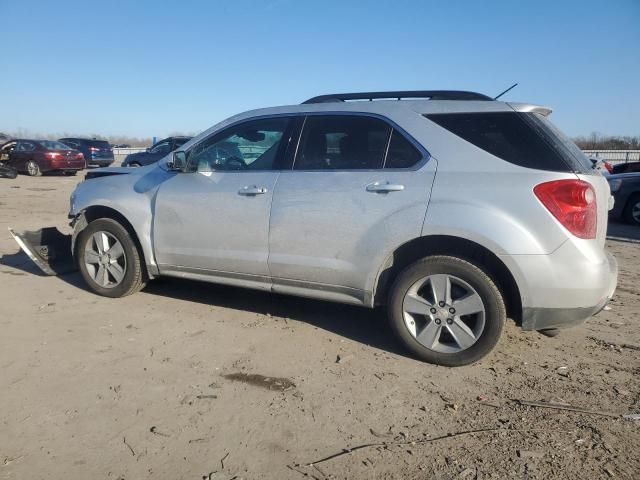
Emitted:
<point x="401" y="153"/>
<point x="342" y="142"/>
<point x="524" y="139"/>
<point x="98" y="143"/>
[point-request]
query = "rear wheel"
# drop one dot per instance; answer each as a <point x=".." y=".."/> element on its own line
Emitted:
<point x="33" y="169"/>
<point x="446" y="311"/>
<point x="632" y="210"/>
<point x="109" y="260"/>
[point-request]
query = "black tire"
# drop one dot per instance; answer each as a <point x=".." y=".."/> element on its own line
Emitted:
<point x="134" y="277"/>
<point x="493" y="303"/>
<point x="33" y="169"/>
<point x="633" y="202"/>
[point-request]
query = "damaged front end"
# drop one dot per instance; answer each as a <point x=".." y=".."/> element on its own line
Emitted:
<point x="49" y="248"/>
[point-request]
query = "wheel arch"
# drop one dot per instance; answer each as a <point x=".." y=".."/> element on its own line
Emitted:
<point x="463" y="248"/>
<point x="94" y="212"/>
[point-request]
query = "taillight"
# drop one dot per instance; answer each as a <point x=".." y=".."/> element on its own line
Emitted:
<point x="52" y="155"/>
<point x="608" y="166"/>
<point x="572" y="203"/>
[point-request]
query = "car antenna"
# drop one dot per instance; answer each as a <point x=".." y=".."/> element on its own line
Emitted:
<point x="510" y="88"/>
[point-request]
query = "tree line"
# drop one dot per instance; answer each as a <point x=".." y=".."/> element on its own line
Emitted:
<point x="596" y="141"/>
<point x="112" y="139"/>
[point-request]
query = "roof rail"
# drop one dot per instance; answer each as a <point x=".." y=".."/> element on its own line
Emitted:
<point x="429" y="94"/>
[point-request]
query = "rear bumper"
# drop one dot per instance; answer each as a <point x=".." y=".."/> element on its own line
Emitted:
<point x="565" y="288"/>
<point x="100" y="162"/>
<point x="67" y="165"/>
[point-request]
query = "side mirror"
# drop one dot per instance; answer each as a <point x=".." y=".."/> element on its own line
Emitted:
<point x="178" y="161"/>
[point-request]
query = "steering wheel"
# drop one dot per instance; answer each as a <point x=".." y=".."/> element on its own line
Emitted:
<point x="235" y="163"/>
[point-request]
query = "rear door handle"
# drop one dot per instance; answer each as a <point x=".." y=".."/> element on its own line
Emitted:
<point x="253" y="190"/>
<point x="379" y="187"/>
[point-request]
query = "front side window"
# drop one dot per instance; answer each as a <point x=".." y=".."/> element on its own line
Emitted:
<point x="162" y="148"/>
<point x="252" y="145"/>
<point x="342" y="142"/>
<point x="25" y="147"/>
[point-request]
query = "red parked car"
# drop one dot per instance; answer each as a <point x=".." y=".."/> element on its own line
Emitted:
<point x="36" y="157"/>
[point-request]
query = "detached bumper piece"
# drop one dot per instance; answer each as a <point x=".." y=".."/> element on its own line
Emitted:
<point x="7" y="172"/>
<point x="49" y="249"/>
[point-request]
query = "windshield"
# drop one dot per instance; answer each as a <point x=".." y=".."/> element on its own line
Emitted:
<point x="53" y="145"/>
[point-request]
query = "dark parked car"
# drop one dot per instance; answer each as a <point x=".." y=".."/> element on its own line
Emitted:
<point x="625" y="188"/>
<point x="96" y="152"/>
<point x="36" y="157"/>
<point x="626" y="167"/>
<point x="154" y="153"/>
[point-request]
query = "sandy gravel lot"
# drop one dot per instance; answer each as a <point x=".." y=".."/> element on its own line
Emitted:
<point x="160" y="384"/>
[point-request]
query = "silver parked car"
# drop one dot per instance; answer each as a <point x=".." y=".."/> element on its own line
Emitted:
<point x="452" y="209"/>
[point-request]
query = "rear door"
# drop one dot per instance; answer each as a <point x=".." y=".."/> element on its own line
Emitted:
<point x="359" y="187"/>
<point x="214" y="219"/>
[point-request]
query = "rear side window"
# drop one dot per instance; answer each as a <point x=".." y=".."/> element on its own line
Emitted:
<point x="401" y="153"/>
<point x="524" y="139"/>
<point x="342" y="142"/>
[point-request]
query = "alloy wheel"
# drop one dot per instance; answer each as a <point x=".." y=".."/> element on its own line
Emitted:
<point x="635" y="211"/>
<point x="32" y="168"/>
<point x="105" y="259"/>
<point x="444" y="313"/>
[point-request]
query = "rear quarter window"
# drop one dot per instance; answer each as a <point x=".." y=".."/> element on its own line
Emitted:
<point x="524" y="139"/>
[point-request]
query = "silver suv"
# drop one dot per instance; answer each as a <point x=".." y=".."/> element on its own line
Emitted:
<point x="450" y="208"/>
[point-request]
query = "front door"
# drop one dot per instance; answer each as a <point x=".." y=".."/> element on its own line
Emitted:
<point x="358" y="189"/>
<point x="214" y="218"/>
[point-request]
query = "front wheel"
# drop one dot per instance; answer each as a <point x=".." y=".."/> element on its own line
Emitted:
<point x="109" y="260"/>
<point x="446" y="311"/>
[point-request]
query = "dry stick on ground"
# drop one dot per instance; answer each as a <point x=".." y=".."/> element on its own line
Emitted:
<point x="222" y="460"/>
<point x="124" y="440"/>
<point x="561" y="406"/>
<point x="302" y="473"/>
<point x="347" y="451"/>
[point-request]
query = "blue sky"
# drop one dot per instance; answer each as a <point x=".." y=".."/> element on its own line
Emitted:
<point x="148" y="68"/>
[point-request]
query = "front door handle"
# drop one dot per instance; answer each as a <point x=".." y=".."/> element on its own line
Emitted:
<point x="379" y="187"/>
<point x="253" y="190"/>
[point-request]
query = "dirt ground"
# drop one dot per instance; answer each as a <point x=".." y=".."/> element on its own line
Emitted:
<point x="162" y="384"/>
